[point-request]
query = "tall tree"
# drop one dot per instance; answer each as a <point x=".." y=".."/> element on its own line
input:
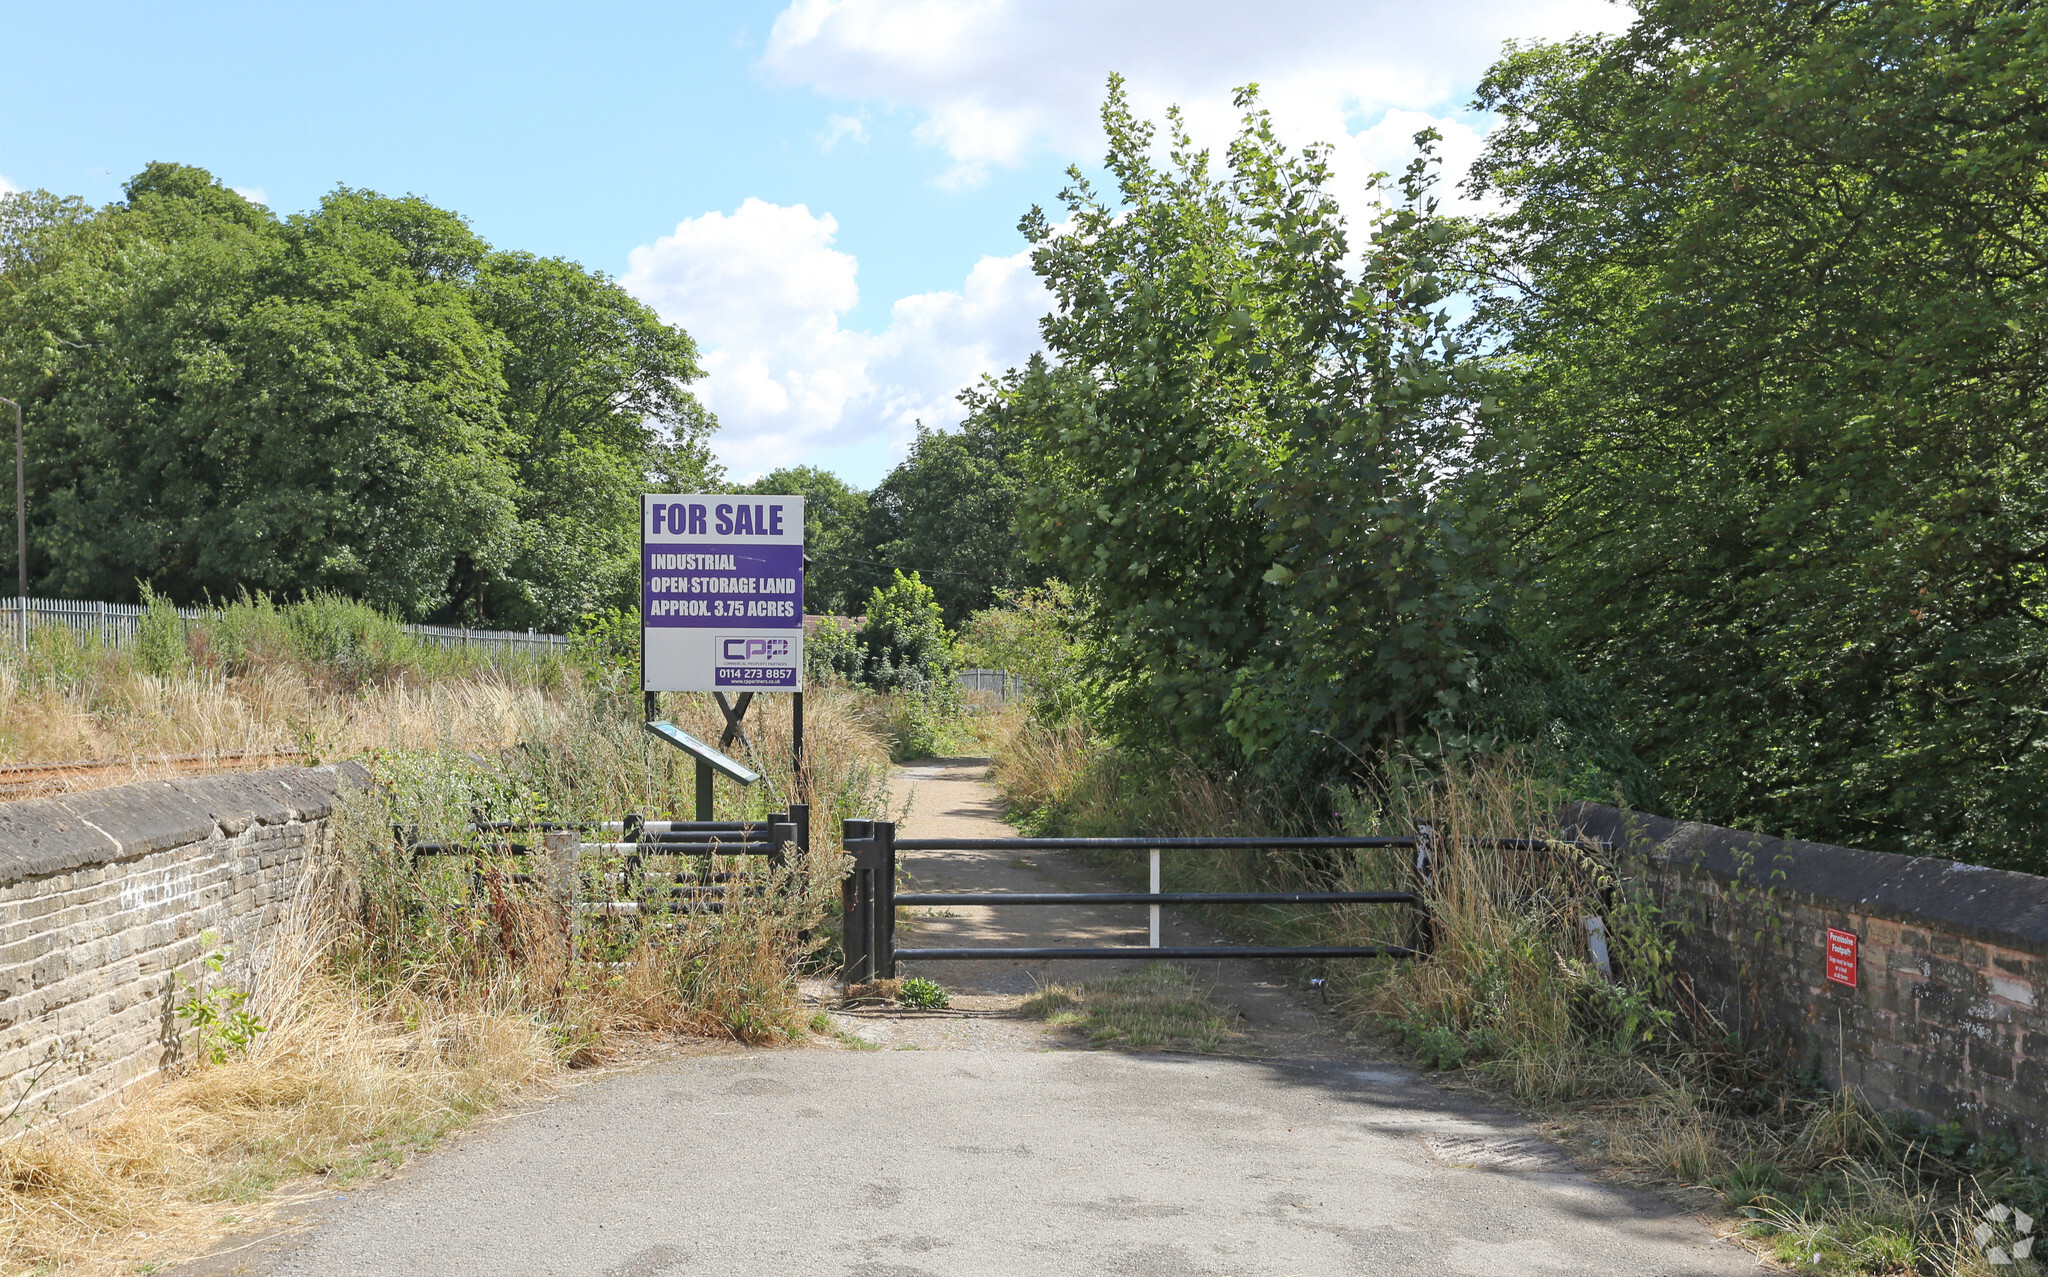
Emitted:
<point x="1249" y="448"/>
<point x="1774" y="282"/>
<point x="949" y="511"/>
<point x="363" y="399"/>
<point x="836" y="580"/>
<point x="596" y="406"/>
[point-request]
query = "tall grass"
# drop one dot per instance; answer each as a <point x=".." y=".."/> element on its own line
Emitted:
<point x="322" y="678"/>
<point x="1633" y="1075"/>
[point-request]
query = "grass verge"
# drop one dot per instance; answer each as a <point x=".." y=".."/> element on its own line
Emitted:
<point x="1159" y="1007"/>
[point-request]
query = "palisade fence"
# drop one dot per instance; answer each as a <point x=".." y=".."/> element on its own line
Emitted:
<point x="1001" y="684"/>
<point x="116" y="624"/>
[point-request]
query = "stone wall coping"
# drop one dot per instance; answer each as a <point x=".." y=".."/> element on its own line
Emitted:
<point x="44" y="836"/>
<point x="1997" y="906"/>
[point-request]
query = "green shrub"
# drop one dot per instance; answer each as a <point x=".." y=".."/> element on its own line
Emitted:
<point x="160" y="644"/>
<point x="902" y="643"/>
<point x="922" y="994"/>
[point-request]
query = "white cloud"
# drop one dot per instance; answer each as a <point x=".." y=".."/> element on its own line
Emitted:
<point x="993" y="81"/>
<point x="843" y="128"/>
<point x="992" y="84"/>
<point x="7" y="187"/>
<point x="763" y="289"/>
<point x="253" y="194"/>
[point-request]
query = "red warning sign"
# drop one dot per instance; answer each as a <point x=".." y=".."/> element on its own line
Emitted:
<point x="1842" y="957"/>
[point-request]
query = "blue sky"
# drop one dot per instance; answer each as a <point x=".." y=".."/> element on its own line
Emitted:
<point x="825" y="192"/>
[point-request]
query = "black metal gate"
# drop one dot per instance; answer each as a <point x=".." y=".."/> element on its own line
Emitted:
<point x="869" y="898"/>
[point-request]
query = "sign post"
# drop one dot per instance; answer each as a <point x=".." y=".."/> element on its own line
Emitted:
<point x="721" y="601"/>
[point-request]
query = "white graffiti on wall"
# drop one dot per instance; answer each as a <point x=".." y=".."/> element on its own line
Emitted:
<point x="167" y="886"/>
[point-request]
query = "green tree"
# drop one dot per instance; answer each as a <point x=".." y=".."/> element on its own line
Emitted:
<point x="838" y="573"/>
<point x="950" y="509"/>
<point x="362" y="400"/>
<point x="1250" y="450"/>
<point x="901" y="643"/>
<point x="597" y="409"/>
<point x="223" y="400"/>
<point x="1771" y="279"/>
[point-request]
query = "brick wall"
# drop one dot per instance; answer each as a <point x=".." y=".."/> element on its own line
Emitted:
<point x="1945" y="1020"/>
<point x="105" y="894"/>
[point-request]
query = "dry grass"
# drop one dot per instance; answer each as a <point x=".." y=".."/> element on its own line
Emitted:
<point x="338" y="1087"/>
<point x="127" y="715"/>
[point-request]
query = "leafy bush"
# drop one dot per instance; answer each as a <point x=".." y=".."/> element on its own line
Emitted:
<point x="607" y="646"/>
<point x="902" y="641"/>
<point x="830" y="651"/>
<point x="160" y="637"/>
<point x="923" y="994"/>
<point x="1036" y="635"/>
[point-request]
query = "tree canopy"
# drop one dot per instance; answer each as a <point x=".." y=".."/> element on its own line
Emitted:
<point x="1770" y="283"/>
<point x="1247" y="450"/>
<point x="364" y="399"/>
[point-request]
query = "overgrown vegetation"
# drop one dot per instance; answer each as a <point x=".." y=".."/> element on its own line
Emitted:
<point x="315" y="680"/>
<point x="1770" y="280"/>
<point x="430" y="991"/>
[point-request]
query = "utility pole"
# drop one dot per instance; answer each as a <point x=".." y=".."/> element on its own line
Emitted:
<point x="20" y="518"/>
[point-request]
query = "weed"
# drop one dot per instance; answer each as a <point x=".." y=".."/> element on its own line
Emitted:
<point x="221" y="1024"/>
<point x="922" y="994"/>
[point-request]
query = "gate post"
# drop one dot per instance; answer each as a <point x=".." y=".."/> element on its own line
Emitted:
<point x="854" y="899"/>
<point x="1425" y="878"/>
<point x="561" y="848"/>
<point x="800" y="816"/>
<point x="783" y="833"/>
<point x="885" y="900"/>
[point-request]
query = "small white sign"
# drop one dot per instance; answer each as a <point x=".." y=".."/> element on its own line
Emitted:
<point x="721" y="593"/>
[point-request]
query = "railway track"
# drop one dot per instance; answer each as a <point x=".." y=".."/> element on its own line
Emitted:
<point x="30" y="780"/>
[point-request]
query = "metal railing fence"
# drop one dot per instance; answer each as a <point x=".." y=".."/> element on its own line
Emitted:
<point x="116" y="625"/>
<point x="869" y="899"/>
<point x="635" y="869"/>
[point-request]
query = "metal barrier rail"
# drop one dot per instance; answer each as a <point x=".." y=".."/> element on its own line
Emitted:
<point x="869" y="898"/>
<point x="627" y="891"/>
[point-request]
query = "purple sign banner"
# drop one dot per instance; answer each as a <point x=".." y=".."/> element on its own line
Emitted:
<point x="721" y="593"/>
<point x="709" y="585"/>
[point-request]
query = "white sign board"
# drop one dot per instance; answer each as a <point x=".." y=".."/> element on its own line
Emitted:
<point x="721" y="593"/>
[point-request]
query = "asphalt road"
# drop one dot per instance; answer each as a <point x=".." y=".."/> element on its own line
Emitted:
<point x="977" y="1143"/>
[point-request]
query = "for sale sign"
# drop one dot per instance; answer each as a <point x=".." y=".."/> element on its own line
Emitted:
<point x="721" y="593"/>
<point x="1841" y="958"/>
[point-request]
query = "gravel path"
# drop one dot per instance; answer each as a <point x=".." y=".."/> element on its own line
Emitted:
<point x="977" y="1142"/>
